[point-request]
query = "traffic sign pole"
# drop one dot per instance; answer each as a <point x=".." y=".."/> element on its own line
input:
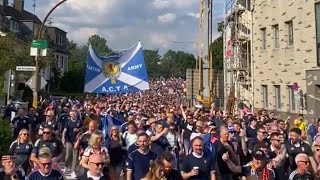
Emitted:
<point x="9" y="86"/>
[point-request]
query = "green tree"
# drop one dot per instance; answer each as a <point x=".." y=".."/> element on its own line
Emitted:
<point x="99" y="44"/>
<point x="153" y="63"/>
<point x="216" y="48"/>
<point x="176" y="63"/>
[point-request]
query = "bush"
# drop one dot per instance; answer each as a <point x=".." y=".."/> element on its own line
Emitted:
<point x="5" y="137"/>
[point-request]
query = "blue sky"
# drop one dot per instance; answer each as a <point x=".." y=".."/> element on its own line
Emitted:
<point x="157" y="23"/>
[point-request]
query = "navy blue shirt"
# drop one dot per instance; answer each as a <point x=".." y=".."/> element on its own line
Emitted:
<point x="20" y="173"/>
<point x="205" y="164"/>
<point x="139" y="163"/>
<point x="55" y="145"/>
<point x="70" y="126"/>
<point x="54" y="175"/>
<point x="132" y="148"/>
<point x="21" y="123"/>
<point x="22" y="152"/>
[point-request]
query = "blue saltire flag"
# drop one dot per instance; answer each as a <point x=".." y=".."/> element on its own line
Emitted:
<point x="122" y="73"/>
<point x="108" y="121"/>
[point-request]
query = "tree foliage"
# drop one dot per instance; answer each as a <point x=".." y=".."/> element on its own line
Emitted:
<point x="217" y="49"/>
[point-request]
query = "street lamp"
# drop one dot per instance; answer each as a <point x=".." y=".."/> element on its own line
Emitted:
<point x="37" y="83"/>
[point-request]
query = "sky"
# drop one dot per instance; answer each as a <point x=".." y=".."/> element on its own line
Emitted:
<point x="156" y="23"/>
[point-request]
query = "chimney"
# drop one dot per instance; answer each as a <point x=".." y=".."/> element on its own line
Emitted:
<point x="18" y="5"/>
<point x="3" y="2"/>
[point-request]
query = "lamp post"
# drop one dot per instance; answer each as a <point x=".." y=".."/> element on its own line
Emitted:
<point x="37" y="71"/>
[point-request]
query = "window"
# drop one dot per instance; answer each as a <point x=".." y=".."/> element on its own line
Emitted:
<point x="14" y="26"/>
<point x="275" y="29"/>
<point x="317" y="11"/>
<point x="263" y="38"/>
<point x="292" y="103"/>
<point x="265" y="96"/>
<point x="289" y="25"/>
<point x="62" y="62"/>
<point x="277" y="97"/>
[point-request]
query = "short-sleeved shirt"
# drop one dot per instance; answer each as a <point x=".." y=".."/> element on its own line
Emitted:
<point x="54" y="175"/>
<point x="295" y="176"/>
<point x="22" y="151"/>
<point x="139" y="163"/>
<point x="205" y="164"/>
<point x="21" y="123"/>
<point x="294" y="149"/>
<point x="55" y="145"/>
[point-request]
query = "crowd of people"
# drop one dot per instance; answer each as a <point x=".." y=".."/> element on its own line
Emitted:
<point x="155" y="135"/>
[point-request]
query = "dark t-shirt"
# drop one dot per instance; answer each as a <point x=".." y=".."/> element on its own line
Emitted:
<point x="173" y="175"/>
<point x="204" y="163"/>
<point x="54" y="175"/>
<point x="55" y="145"/>
<point x="220" y="149"/>
<point x="188" y="129"/>
<point x="139" y="163"/>
<point x="251" y="133"/>
<point x="22" y="152"/>
<point x="306" y="176"/>
<point x="21" y="123"/>
<point x="70" y="126"/>
<point x="116" y="152"/>
<point x="293" y="151"/>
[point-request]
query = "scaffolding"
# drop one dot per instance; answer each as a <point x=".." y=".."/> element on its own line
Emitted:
<point x="237" y="55"/>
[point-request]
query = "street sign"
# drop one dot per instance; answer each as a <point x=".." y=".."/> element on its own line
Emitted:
<point x="32" y="83"/>
<point x="34" y="52"/>
<point x="39" y="44"/>
<point x="25" y="68"/>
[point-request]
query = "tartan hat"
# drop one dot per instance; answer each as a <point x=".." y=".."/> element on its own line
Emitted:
<point x="7" y="157"/>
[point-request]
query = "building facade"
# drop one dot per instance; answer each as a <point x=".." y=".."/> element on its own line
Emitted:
<point x="286" y="76"/>
<point x="15" y="19"/>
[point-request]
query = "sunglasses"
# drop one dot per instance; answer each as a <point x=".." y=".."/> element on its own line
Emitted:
<point x="263" y="132"/>
<point x="46" y="164"/>
<point x="278" y="140"/>
<point x="98" y="164"/>
<point x="46" y="132"/>
<point x="25" y="134"/>
<point x="306" y="162"/>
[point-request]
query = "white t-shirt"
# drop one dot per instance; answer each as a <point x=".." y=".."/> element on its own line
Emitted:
<point x="129" y="138"/>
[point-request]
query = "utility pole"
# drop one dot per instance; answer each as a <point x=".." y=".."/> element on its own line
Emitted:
<point x="37" y="71"/>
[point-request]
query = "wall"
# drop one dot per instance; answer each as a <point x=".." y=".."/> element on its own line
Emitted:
<point x="284" y="65"/>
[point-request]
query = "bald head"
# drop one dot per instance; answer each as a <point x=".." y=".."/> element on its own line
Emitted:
<point x="224" y="134"/>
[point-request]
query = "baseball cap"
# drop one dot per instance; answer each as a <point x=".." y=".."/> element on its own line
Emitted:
<point x="259" y="155"/>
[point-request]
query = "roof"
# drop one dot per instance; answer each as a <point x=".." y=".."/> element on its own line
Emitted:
<point x="53" y="27"/>
<point x="22" y="16"/>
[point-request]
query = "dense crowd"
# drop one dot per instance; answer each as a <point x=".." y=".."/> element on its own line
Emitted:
<point x="155" y="135"/>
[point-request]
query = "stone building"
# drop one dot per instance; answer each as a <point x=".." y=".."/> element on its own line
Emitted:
<point x="286" y="56"/>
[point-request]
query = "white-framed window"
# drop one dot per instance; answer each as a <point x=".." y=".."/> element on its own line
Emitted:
<point x="277" y="97"/>
<point x="275" y="29"/>
<point x="291" y="99"/>
<point x="289" y="25"/>
<point x="62" y="62"/>
<point x="264" y="90"/>
<point x="263" y="38"/>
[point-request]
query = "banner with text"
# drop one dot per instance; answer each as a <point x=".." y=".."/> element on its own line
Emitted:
<point x="121" y="73"/>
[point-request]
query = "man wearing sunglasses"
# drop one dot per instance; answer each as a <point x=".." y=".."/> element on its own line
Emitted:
<point x="301" y="173"/>
<point x="54" y="144"/>
<point x="45" y="170"/>
<point x="96" y="164"/>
